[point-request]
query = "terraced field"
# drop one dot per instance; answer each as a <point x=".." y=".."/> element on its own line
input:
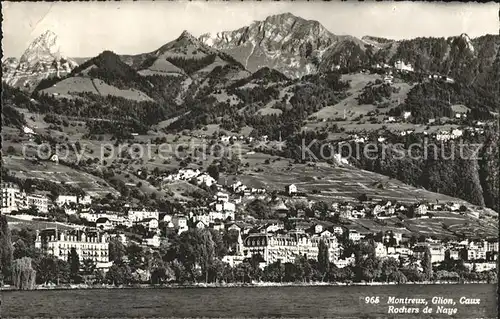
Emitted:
<point x="56" y="173"/>
<point x="336" y="183"/>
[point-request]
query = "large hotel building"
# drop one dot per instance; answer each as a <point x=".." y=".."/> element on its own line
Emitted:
<point x="89" y="245"/>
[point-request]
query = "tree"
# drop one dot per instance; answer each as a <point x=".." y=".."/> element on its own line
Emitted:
<point x="321" y="207"/>
<point x="368" y="267"/>
<point x="196" y="247"/>
<point x="427" y="264"/>
<point x="51" y="269"/>
<point x="74" y="265"/>
<point x="213" y="171"/>
<point x="88" y="270"/>
<point x="323" y="258"/>
<point x="412" y="274"/>
<point x="119" y="274"/>
<point x="293" y="272"/>
<point x="207" y="252"/>
<point x="389" y="268"/>
<point x="274" y="272"/>
<point x="135" y="256"/>
<point x="116" y="249"/>
<point x="5" y="249"/>
<point x="23" y="274"/>
<point x="397" y="276"/>
<point x="244" y="272"/>
<point x="259" y="209"/>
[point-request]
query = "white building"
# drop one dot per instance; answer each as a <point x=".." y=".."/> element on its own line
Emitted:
<point x="421" y="209"/>
<point x="138" y="215"/>
<point x="341" y="160"/>
<point x="222" y="197"/>
<point x="380" y="250"/>
<point x="338" y="230"/>
<point x="183" y="175"/>
<point x="457" y="133"/>
<point x="14" y="199"/>
<point x="90" y="245"/>
<point x="66" y="199"/>
<point x="40" y="202"/>
<point x="180" y="222"/>
<point x="354" y="235"/>
<point x="152" y="241"/>
<point x="286" y="247"/>
<point x="402" y="66"/>
<point x="107" y="221"/>
<point x="221" y="215"/>
<point x="204" y="218"/>
<point x="481" y="266"/>
<point x="85" y="200"/>
<point x="28" y="130"/>
<point x="205" y="179"/>
<point x="224" y="206"/>
<point x="291" y="189"/>
<point x="341" y="263"/>
<point x="104" y="223"/>
<point x="150" y="223"/>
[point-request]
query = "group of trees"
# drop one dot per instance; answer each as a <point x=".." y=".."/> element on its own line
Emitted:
<point x="433" y="99"/>
<point x="13" y="97"/>
<point x="373" y="94"/>
<point x="192" y="65"/>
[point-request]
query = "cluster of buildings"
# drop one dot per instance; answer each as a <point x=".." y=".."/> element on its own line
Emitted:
<point x="449" y="135"/>
<point x="443" y="78"/>
<point x="399" y="65"/>
<point x="273" y="243"/>
<point x="481" y="254"/>
<point x="379" y="210"/>
<point x="190" y="174"/>
<point x="402" y="66"/>
<point x="241" y="189"/>
<point x="14" y="199"/>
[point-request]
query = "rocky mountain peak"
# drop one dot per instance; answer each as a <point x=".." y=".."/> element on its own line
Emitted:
<point x="45" y="48"/>
<point x="284" y="42"/>
<point x="42" y="59"/>
<point x="466" y="40"/>
<point x="188" y="37"/>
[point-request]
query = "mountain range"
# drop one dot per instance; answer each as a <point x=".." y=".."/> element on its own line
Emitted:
<point x="290" y="44"/>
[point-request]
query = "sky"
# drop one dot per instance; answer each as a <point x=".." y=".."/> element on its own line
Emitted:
<point x="86" y="29"/>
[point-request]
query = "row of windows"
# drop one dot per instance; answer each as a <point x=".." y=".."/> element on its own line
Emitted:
<point x="81" y="246"/>
<point x="85" y="253"/>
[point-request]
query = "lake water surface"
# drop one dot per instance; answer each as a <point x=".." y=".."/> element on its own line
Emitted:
<point x="319" y="301"/>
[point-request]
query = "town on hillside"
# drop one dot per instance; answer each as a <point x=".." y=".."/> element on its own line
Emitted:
<point x="244" y="234"/>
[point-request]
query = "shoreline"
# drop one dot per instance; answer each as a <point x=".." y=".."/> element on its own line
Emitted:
<point x="238" y="285"/>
